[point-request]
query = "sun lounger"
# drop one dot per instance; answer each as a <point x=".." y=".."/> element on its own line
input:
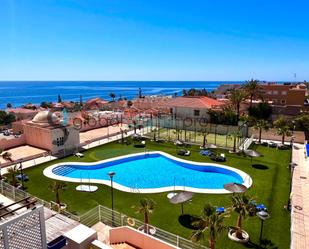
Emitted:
<point x="220" y="210"/>
<point x="79" y="155"/>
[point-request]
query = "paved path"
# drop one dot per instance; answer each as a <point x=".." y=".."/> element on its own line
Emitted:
<point x="40" y="160"/>
<point x="300" y="200"/>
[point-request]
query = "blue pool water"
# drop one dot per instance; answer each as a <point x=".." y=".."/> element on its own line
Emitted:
<point x="153" y="171"/>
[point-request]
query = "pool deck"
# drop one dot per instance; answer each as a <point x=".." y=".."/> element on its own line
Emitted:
<point x="300" y="200"/>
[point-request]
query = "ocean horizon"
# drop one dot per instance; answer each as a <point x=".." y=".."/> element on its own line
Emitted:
<point x="19" y="93"/>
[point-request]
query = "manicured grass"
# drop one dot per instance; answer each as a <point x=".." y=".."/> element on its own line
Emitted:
<point x="270" y="186"/>
<point x="195" y="137"/>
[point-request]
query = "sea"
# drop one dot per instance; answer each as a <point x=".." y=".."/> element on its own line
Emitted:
<point x="19" y="93"/>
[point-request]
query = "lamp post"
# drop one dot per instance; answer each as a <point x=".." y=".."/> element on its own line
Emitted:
<point x="111" y="175"/>
<point x="263" y="215"/>
<point x="21" y="174"/>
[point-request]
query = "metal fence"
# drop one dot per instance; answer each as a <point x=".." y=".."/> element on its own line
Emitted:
<point x="116" y="219"/>
<point x="18" y="194"/>
<point x="104" y="215"/>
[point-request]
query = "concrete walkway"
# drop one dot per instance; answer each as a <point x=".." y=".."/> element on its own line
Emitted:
<point x="300" y="200"/>
<point x="40" y="160"/>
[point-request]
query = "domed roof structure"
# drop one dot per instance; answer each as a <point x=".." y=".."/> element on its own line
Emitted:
<point x="46" y="117"/>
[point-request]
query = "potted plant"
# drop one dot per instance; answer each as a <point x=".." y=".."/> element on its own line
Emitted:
<point x="57" y="187"/>
<point x="146" y="208"/>
<point x="244" y="206"/>
<point x="211" y="222"/>
<point x="13" y="171"/>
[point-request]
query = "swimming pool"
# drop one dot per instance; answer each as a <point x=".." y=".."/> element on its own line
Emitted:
<point x="151" y="172"/>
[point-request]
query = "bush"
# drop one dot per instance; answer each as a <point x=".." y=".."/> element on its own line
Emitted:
<point x="260" y="111"/>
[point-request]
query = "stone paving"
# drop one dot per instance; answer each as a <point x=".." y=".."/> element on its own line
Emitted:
<point x="300" y="200"/>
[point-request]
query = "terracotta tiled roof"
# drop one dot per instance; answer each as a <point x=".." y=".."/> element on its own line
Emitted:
<point x="195" y="102"/>
<point x="21" y="110"/>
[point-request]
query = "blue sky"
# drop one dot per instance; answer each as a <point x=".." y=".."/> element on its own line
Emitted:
<point x="154" y="40"/>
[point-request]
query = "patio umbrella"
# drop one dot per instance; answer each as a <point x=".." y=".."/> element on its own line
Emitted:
<point x="180" y="198"/>
<point x="235" y="187"/>
<point x="252" y="153"/>
<point x="212" y="146"/>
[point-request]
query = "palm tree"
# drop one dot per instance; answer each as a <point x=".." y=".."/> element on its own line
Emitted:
<point x="13" y="171"/>
<point x="236" y="97"/>
<point x="204" y="133"/>
<point x="283" y="127"/>
<point x="252" y="88"/>
<point x="210" y="221"/>
<point x="261" y="125"/>
<point x="113" y="96"/>
<point x="123" y="132"/>
<point x="234" y="135"/>
<point x="244" y="206"/>
<point x="7" y="156"/>
<point x="177" y="132"/>
<point x="146" y="208"/>
<point x="129" y="103"/>
<point x="57" y="187"/>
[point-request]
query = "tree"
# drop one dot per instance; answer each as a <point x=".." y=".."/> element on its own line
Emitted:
<point x="234" y="135"/>
<point x="244" y="206"/>
<point x="204" y="133"/>
<point x="80" y="101"/>
<point x="236" y="97"/>
<point x="146" y="208"/>
<point x="123" y="132"/>
<point x="252" y="88"/>
<point x="177" y="132"/>
<point x="6" y="118"/>
<point x="113" y="96"/>
<point x="129" y="103"/>
<point x="9" y="105"/>
<point x="210" y="221"/>
<point x="261" y="125"/>
<point x="59" y="98"/>
<point x="283" y="127"/>
<point x="302" y="122"/>
<point x="260" y="111"/>
<point x="45" y="104"/>
<point x="7" y="156"/>
<point x="57" y="187"/>
<point x="13" y="171"/>
<point x="140" y="93"/>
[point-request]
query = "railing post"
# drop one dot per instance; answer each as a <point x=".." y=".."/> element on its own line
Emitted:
<point x="177" y="240"/>
<point x="99" y="213"/>
<point x="13" y="192"/>
<point x="1" y="186"/>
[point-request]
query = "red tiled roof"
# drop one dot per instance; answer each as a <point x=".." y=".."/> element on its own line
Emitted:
<point x="21" y="110"/>
<point x="195" y="102"/>
<point x="96" y="100"/>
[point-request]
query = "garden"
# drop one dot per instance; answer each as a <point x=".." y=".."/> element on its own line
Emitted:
<point x="271" y="187"/>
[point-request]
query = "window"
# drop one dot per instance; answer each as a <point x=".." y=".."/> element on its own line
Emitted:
<point x="196" y="112"/>
<point x="60" y="141"/>
<point x="284" y="93"/>
<point x="283" y="101"/>
<point x="275" y="92"/>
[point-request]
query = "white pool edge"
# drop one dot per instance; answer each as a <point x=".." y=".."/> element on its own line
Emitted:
<point x="48" y="172"/>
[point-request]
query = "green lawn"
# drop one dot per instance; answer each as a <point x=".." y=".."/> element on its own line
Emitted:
<point x="270" y="186"/>
<point x="196" y="137"/>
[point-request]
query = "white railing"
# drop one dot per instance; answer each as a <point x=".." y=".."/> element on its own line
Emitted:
<point x="102" y="214"/>
<point x="116" y="219"/>
<point x="246" y="143"/>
